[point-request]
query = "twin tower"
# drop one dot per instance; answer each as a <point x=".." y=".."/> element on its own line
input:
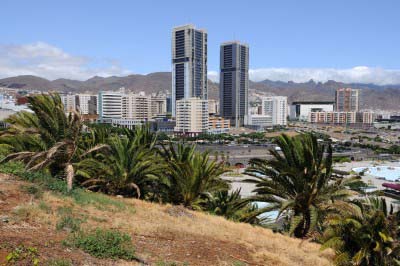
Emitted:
<point x="189" y="72"/>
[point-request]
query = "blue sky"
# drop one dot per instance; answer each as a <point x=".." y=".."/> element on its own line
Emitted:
<point x="288" y="39"/>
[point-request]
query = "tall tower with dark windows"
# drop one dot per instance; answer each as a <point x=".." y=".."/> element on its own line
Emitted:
<point x="234" y="81"/>
<point x="189" y="64"/>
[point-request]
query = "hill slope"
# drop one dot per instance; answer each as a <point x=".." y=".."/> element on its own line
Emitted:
<point x="161" y="234"/>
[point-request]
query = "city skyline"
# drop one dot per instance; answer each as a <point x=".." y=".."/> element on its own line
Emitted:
<point x="79" y="49"/>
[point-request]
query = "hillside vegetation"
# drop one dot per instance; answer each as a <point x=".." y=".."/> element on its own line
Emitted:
<point x="42" y="216"/>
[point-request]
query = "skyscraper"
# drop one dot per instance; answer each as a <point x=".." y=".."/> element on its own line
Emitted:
<point x="234" y="81"/>
<point x="189" y="64"/>
<point x="347" y="100"/>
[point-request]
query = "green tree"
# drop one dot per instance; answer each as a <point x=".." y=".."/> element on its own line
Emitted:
<point x="366" y="235"/>
<point x="297" y="182"/>
<point x="47" y="138"/>
<point x="191" y="175"/>
<point x="128" y="165"/>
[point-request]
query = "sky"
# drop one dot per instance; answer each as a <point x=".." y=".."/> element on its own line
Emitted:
<point x="344" y="40"/>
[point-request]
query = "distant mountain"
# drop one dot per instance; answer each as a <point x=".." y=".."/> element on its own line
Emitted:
<point x="373" y="96"/>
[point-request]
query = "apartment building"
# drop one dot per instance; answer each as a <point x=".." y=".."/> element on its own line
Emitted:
<point x="83" y="102"/>
<point x="275" y="107"/>
<point x="335" y="117"/>
<point x="347" y="100"/>
<point x="191" y="116"/>
<point x="218" y="125"/>
<point x="109" y="106"/>
<point x="136" y="106"/>
<point x="69" y="102"/>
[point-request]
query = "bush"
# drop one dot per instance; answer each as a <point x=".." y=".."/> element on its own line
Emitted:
<point x="104" y="244"/>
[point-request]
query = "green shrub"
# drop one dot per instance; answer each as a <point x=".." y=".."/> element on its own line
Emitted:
<point x="104" y="244"/>
<point x="22" y="255"/>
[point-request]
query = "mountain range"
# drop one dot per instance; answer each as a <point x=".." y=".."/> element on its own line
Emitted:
<point x="373" y="97"/>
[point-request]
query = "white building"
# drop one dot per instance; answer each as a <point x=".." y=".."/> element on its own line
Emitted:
<point x="127" y="123"/>
<point x="136" y="106"/>
<point x="158" y="105"/>
<point x="82" y="101"/>
<point x="69" y="102"/>
<point x="192" y="116"/>
<point x="109" y="105"/>
<point x="259" y="121"/>
<point x="300" y="110"/>
<point x="213" y="106"/>
<point x="276" y="107"/>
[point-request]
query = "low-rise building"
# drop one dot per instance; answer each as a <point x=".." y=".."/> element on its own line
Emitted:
<point x="300" y="110"/>
<point x="335" y="117"/>
<point x="259" y="121"/>
<point x="218" y="125"/>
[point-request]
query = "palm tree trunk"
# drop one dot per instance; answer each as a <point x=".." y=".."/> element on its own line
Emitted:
<point x="69" y="170"/>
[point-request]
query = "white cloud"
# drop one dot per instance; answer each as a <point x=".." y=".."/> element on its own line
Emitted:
<point x="44" y="60"/>
<point x="359" y="74"/>
<point x="213" y="76"/>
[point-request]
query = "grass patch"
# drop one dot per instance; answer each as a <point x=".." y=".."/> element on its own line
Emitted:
<point x="34" y="190"/>
<point x="25" y="212"/>
<point x="58" y="262"/>
<point x="171" y="263"/>
<point x="100" y="201"/>
<point x="69" y="223"/>
<point x="104" y="244"/>
<point x="44" y="180"/>
<point x="99" y="219"/>
<point x="45" y="207"/>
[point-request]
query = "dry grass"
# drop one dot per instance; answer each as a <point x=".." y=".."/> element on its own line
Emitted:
<point x="194" y="238"/>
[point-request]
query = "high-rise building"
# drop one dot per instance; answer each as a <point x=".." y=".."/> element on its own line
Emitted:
<point x="192" y="116"/>
<point x="109" y="106"/>
<point x="169" y="104"/>
<point x="189" y="64"/>
<point x="347" y="100"/>
<point x="234" y="81"/>
<point x="276" y="107"/>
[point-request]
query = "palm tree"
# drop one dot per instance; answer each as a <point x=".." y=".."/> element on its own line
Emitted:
<point x="47" y="138"/>
<point x="229" y="205"/>
<point x="366" y="235"/>
<point x="298" y="182"/>
<point x="126" y="167"/>
<point x="191" y="175"/>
